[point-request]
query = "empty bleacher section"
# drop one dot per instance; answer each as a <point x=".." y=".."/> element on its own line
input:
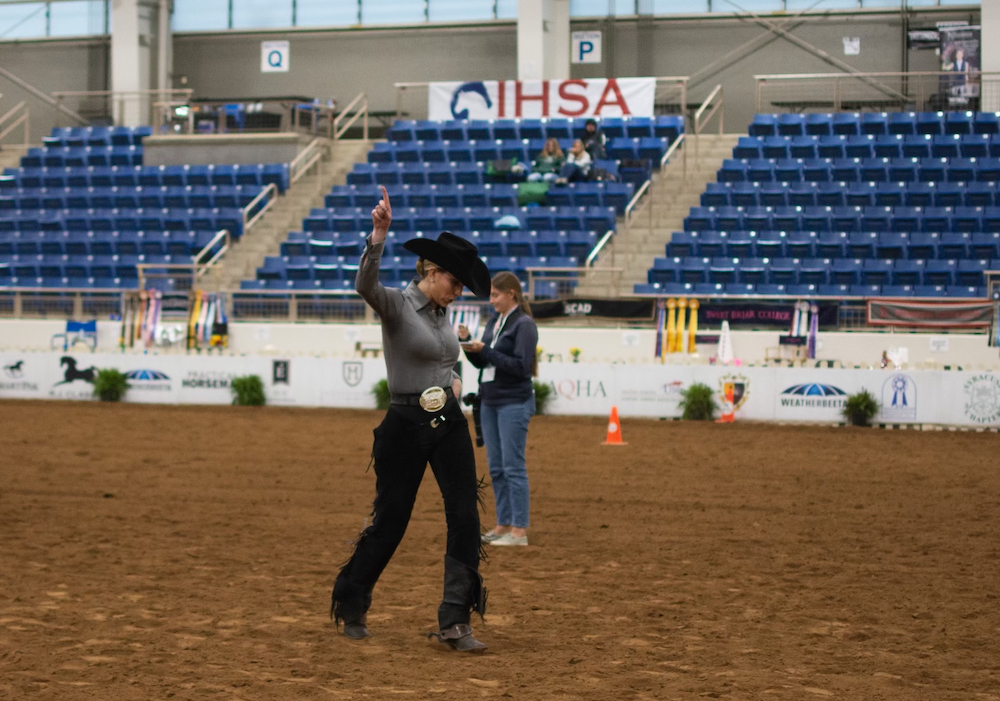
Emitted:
<point x="859" y="205"/>
<point x="439" y="177"/>
<point x="83" y="212"/>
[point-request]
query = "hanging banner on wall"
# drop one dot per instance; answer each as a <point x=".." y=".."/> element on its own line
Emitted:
<point x="943" y="315"/>
<point x="960" y="58"/>
<point x="534" y="99"/>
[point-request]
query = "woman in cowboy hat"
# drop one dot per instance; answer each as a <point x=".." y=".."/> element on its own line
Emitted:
<point x="424" y="424"/>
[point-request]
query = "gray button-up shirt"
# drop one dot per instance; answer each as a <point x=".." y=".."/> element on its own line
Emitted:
<point x="420" y="346"/>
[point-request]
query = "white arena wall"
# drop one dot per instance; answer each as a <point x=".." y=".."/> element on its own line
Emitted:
<point x="601" y="345"/>
<point x="316" y="365"/>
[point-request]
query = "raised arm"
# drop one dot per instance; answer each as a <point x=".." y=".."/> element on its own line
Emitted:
<point x="386" y="303"/>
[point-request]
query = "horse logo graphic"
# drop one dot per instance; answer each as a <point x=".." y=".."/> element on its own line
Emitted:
<point x="14" y="371"/>
<point x="473" y="88"/>
<point x="72" y="373"/>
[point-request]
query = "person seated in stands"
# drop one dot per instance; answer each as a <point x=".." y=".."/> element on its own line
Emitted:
<point x="549" y="161"/>
<point x="594" y="140"/>
<point x="577" y="165"/>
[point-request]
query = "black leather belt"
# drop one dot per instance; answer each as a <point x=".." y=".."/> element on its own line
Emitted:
<point x="414" y="399"/>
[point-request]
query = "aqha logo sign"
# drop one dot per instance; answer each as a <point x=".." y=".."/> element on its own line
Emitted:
<point x="536" y="99"/>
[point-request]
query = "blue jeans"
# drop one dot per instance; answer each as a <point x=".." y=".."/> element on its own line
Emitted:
<point x="505" y="431"/>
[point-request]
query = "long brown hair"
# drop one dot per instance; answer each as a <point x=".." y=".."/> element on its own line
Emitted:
<point x="507" y="281"/>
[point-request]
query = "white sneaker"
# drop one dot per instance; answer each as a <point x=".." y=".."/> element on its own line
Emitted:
<point x="510" y="539"/>
<point x="489" y="536"/>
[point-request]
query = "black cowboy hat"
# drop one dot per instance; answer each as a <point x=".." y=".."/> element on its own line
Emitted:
<point x="458" y="257"/>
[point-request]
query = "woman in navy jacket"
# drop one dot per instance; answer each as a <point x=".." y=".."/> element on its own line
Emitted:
<point x="507" y="360"/>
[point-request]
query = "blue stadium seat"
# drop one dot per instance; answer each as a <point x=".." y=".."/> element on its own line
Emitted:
<point x="940" y="272"/>
<point x="974" y="146"/>
<point x="833" y="290"/>
<point x="917" y="146"/>
<point x="748" y="147"/>
<point x="970" y="272"/>
<point x="985" y="245"/>
<point x="874" y="123"/>
<point x="800" y="194"/>
<point x="802" y="147"/>
<point x="888" y="146"/>
<point x="897" y="290"/>
<point x="819" y="124"/>
<point x="945" y="146"/>
<point x="791" y="124"/>
<point x="752" y="271"/>
<point x="862" y="244"/>
<point x="930" y="122"/>
<point x="964" y="292"/>
<point x="774" y="147"/>
<point x="764" y="125"/>
<point x="958" y="123"/>
<point x="846" y="123"/>
<point x="986" y="123"/>
<point x="831" y="146"/>
<point x="832" y="244"/>
<point x="860" y="146"/>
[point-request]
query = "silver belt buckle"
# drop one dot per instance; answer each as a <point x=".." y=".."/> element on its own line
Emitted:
<point x="433" y="399"/>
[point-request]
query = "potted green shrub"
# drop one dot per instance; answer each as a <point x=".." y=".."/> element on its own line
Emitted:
<point x="543" y="393"/>
<point x="381" y="393"/>
<point x="110" y="385"/>
<point x="698" y="403"/>
<point x="248" y="390"/>
<point x="860" y="408"/>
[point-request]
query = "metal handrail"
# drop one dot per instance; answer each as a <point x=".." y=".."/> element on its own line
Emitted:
<point x="336" y="133"/>
<point x="23" y="119"/>
<point x="223" y="234"/>
<point x="699" y="122"/>
<point x="867" y="78"/>
<point x="164" y="94"/>
<point x="565" y="274"/>
<point x="296" y="169"/>
<point x="43" y="97"/>
<point x="597" y="249"/>
<point x="632" y="203"/>
<point x="249" y="222"/>
<point x="670" y="151"/>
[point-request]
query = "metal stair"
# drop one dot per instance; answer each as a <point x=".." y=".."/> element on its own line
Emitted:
<point x="659" y="214"/>
<point x="244" y="257"/>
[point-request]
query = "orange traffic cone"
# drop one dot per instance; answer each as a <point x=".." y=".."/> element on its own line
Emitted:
<point x="728" y="409"/>
<point x="614" y="429"/>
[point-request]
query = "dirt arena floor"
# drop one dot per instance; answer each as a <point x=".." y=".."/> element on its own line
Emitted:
<point x="188" y="553"/>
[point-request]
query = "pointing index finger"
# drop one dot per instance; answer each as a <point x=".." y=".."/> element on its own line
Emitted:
<point x="385" y="198"/>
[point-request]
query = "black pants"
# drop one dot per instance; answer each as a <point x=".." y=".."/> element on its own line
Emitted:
<point x="405" y="442"/>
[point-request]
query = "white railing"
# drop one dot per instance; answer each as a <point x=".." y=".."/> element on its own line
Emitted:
<point x="15" y="117"/>
<point x="248" y="220"/>
<point x="712" y="104"/>
<point x="914" y="91"/>
<point x="303" y="163"/>
<point x="344" y="120"/>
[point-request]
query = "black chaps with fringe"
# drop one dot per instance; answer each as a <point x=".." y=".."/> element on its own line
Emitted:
<point x="406" y="440"/>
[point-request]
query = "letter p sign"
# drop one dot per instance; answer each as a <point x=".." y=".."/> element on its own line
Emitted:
<point x="586" y="47"/>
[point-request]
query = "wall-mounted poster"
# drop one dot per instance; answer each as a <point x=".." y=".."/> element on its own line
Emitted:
<point x="960" y="58"/>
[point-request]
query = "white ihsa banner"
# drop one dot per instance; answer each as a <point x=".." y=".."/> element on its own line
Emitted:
<point x="534" y="99"/>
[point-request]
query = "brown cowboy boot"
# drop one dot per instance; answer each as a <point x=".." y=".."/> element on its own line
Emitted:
<point x="463" y="593"/>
